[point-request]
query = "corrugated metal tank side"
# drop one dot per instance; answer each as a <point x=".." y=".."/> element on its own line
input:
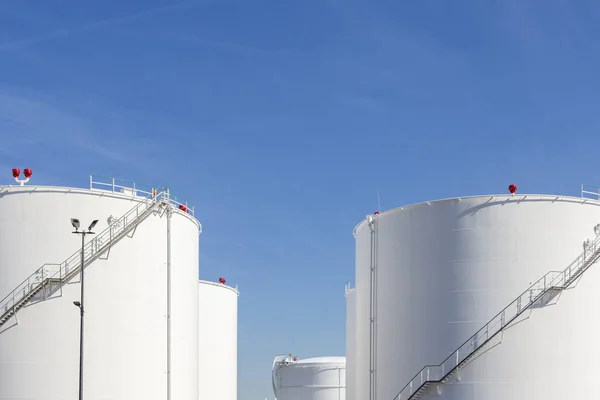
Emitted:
<point x="217" y="341"/>
<point x="125" y="332"/>
<point x="350" y="343"/>
<point x="445" y="268"/>
<point x="322" y="378"/>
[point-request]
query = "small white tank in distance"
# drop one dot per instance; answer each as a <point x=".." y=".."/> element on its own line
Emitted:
<point x="217" y="340"/>
<point x="350" y="343"/>
<point x="320" y="378"/>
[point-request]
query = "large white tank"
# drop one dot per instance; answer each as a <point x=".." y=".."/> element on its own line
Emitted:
<point x="350" y="343"/>
<point x="320" y="378"/>
<point x="443" y="269"/>
<point x="125" y="347"/>
<point x="218" y="344"/>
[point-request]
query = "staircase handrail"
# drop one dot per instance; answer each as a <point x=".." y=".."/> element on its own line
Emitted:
<point x="90" y="248"/>
<point x="553" y="279"/>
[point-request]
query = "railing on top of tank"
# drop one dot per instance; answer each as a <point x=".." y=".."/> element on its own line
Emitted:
<point x="552" y="280"/>
<point x="347" y="287"/>
<point x="590" y="192"/>
<point x="116" y="185"/>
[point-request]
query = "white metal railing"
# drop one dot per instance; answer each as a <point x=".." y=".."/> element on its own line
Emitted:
<point x="590" y="192"/>
<point x="347" y="287"/>
<point x="552" y="280"/>
<point x="92" y="250"/>
<point x="116" y="185"/>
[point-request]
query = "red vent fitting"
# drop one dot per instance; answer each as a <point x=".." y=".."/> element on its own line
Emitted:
<point x="512" y="188"/>
<point x="16" y="172"/>
<point x="28" y="173"/>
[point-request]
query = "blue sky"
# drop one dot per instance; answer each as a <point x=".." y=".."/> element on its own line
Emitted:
<point x="281" y="120"/>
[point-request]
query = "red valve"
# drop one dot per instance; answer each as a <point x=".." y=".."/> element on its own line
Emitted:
<point x="28" y="173"/>
<point x="222" y="280"/>
<point x="376" y="213"/>
<point x="183" y="208"/>
<point x="295" y="359"/>
<point x="16" y="172"/>
<point x="512" y="188"/>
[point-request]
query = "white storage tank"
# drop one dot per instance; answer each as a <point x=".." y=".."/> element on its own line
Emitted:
<point x="320" y="378"/>
<point x="217" y="341"/>
<point x="443" y="269"/>
<point x="350" y="343"/>
<point x="126" y="291"/>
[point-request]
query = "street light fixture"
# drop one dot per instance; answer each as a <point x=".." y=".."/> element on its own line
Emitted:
<point x="79" y="304"/>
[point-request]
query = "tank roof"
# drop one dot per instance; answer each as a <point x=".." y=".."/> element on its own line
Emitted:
<point x="322" y="360"/>
<point x="497" y="198"/>
<point x="109" y="187"/>
<point x="220" y="285"/>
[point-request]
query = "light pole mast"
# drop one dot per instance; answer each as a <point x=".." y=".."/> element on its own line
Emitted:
<point x="75" y="223"/>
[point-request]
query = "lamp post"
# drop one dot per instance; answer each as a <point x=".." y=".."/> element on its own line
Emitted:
<point x="79" y="304"/>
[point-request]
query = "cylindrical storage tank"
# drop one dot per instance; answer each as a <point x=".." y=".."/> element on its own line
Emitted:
<point x="217" y="341"/>
<point x="361" y="386"/>
<point x="443" y="269"/>
<point x="125" y="333"/>
<point x="350" y="344"/>
<point x="320" y="378"/>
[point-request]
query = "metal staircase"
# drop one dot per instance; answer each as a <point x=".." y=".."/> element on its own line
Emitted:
<point x="537" y="295"/>
<point x="50" y="278"/>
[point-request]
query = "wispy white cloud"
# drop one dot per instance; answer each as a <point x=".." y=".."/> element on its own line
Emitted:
<point x="24" y="42"/>
<point x="194" y="40"/>
<point x="29" y="120"/>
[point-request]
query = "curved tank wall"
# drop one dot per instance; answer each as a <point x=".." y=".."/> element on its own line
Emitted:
<point x="362" y="325"/>
<point x="125" y="299"/>
<point x="218" y="341"/>
<point x="443" y="269"/>
<point x="350" y="343"/>
<point x="320" y="378"/>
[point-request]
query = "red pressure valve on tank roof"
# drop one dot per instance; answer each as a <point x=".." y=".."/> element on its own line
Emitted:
<point x="28" y="172"/>
<point x="16" y="172"/>
<point x="512" y="188"/>
<point x="222" y="281"/>
<point x="183" y="208"/>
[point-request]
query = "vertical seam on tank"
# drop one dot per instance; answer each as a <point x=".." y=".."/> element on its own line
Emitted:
<point x="375" y="305"/>
<point x="373" y="309"/>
